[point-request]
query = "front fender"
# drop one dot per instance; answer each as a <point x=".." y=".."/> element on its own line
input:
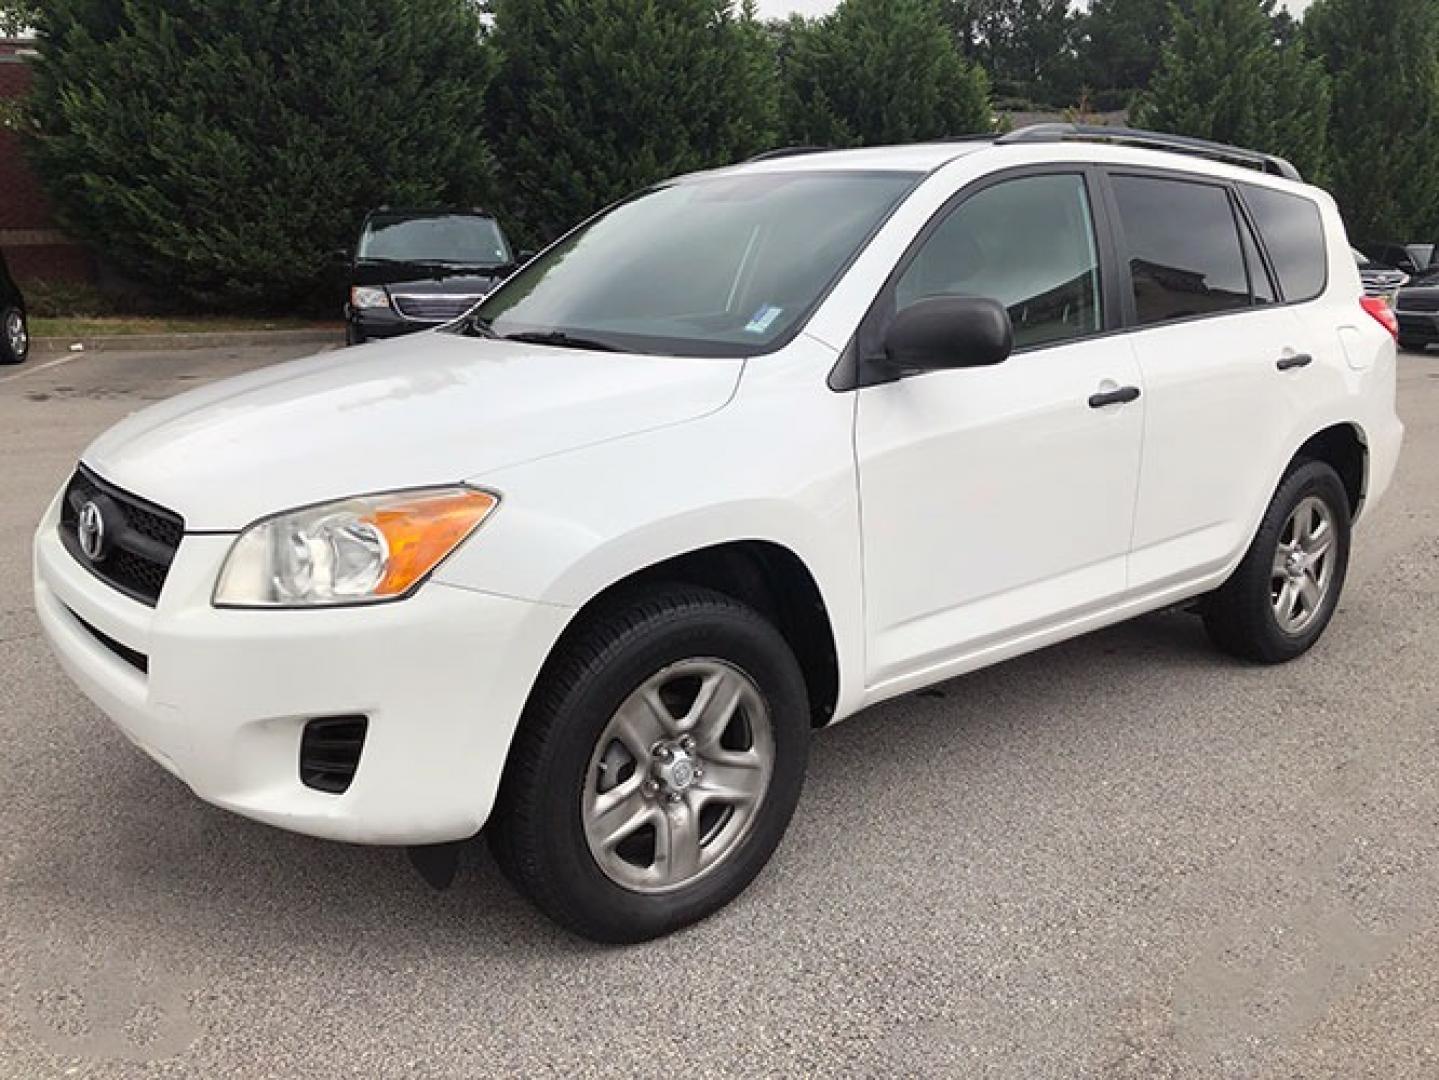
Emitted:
<point x="573" y="525"/>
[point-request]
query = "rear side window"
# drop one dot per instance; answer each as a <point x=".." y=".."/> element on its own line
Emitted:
<point x="1293" y="232"/>
<point x="1185" y="257"/>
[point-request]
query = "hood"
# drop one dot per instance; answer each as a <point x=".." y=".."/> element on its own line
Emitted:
<point x="429" y="409"/>
<point x="428" y="277"/>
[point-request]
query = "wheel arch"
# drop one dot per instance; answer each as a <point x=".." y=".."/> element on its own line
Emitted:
<point x="1345" y="448"/>
<point x="763" y="574"/>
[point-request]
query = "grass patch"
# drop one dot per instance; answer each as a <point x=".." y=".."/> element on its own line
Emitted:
<point x="78" y="328"/>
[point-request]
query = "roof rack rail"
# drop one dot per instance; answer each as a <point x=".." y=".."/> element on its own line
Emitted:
<point x="1153" y="140"/>
<point x="983" y="136"/>
<point x="786" y="151"/>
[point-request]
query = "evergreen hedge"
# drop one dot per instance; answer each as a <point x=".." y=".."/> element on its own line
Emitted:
<point x="219" y="150"/>
<point x="1383" y="57"/>
<point x="595" y="99"/>
<point x="1224" y="75"/>
<point x="876" y="72"/>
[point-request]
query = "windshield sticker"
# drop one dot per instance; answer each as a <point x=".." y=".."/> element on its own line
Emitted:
<point x="763" y="319"/>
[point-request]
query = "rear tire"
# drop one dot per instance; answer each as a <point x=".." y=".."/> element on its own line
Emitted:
<point x="620" y="838"/>
<point x="14" y="336"/>
<point x="1281" y="598"/>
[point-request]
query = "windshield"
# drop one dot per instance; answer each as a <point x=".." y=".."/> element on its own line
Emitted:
<point x="719" y="266"/>
<point x="445" y="239"/>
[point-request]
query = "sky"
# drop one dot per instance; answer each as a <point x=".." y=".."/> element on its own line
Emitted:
<point x="819" y="7"/>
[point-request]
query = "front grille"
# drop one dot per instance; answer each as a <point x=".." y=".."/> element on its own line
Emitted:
<point x="1383" y="284"/>
<point x="1419" y="301"/>
<point x="434" y="307"/>
<point x="330" y="752"/>
<point x="139" y="540"/>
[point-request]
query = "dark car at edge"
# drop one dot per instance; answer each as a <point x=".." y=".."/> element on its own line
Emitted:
<point x="14" y="329"/>
<point x="416" y="269"/>
<point x="1418" y="310"/>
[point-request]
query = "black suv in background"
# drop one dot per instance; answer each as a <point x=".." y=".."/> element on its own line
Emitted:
<point x="14" y="330"/>
<point x="414" y="269"/>
<point x="1379" y="279"/>
<point x="1412" y="259"/>
<point x="1418" y="311"/>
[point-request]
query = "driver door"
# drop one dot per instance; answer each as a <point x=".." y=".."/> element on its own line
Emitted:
<point x="998" y="502"/>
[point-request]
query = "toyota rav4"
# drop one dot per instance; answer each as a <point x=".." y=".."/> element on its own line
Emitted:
<point x="737" y="458"/>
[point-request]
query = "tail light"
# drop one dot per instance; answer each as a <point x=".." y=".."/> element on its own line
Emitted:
<point x="1383" y="314"/>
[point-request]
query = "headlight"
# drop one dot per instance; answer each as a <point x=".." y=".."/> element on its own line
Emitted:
<point x="359" y="551"/>
<point x="362" y="297"/>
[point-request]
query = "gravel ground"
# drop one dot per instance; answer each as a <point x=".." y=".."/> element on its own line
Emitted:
<point x="1123" y="857"/>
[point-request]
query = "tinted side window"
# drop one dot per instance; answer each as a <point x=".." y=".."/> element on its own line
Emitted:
<point x="1293" y="233"/>
<point x="1184" y="253"/>
<point x="1028" y="243"/>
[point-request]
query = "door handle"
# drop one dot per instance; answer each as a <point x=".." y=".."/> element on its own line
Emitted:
<point x="1293" y="363"/>
<point x="1123" y="396"/>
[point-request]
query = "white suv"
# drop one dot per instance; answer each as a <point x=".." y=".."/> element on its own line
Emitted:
<point x="737" y="458"/>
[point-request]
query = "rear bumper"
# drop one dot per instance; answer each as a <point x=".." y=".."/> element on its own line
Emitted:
<point x="441" y="677"/>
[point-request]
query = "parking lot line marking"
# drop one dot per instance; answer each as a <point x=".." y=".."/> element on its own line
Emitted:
<point x="57" y="362"/>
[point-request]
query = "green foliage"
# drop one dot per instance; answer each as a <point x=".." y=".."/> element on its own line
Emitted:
<point x="1121" y="41"/>
<point x="598" y="98"/>
<point x="879" y="71"/>
<point x="218" y="151"/>
<point x="17" y="16"/>
<point x="1224" y="76"/>
<point x="1027" y="47"/>
<point x="1383" y="56"/>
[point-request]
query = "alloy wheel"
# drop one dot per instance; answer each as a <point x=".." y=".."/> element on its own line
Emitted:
<point x="1304" y="565"/>
<point x="678" y="776"/>
<point x="17" y="336"/>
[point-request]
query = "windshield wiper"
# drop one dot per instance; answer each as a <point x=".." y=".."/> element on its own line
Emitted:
<point x="479" y="326"/>
<point x="561" y="340"/>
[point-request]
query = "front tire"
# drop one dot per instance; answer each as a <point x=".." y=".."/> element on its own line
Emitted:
<point x="1279" y="601"/>
<point x="656" y="767"/>
<point x="14" y="336"/>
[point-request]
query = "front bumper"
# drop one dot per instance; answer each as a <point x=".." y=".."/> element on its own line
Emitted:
<point x="376" y="324"/>
<point x="442" y="677"/>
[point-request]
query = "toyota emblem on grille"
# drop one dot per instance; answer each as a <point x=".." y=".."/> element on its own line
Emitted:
<point x="91" y="532"/>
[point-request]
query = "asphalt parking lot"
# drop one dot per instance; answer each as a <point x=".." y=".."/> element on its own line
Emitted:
<point x="1123" y="857"/>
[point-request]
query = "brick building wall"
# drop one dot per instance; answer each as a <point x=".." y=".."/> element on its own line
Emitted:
<point x="34" y="247"/>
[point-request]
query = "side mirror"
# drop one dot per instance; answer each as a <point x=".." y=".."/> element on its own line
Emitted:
<point x="340" y="255"/>
<point x="944" y="332"/>
<point x="525" y="256"/>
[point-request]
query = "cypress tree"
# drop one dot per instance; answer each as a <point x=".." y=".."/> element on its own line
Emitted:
<point x="1383" y="57"/>
<point x="880" y="71"/>
<point x="597" y="99"/>
<point x="1225" y="76"/>
<point x="1121" y="40"/>
<point x="219" y="150"/>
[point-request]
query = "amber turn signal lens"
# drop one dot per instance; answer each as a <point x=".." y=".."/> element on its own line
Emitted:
<point x="421" y="532"/>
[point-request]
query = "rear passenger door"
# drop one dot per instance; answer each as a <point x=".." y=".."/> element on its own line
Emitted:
<point x="1209" y="337"/>
<point x="1316" y="370"/>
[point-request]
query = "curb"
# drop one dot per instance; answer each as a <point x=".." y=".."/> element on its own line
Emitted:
<point x="54" y="346"/>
